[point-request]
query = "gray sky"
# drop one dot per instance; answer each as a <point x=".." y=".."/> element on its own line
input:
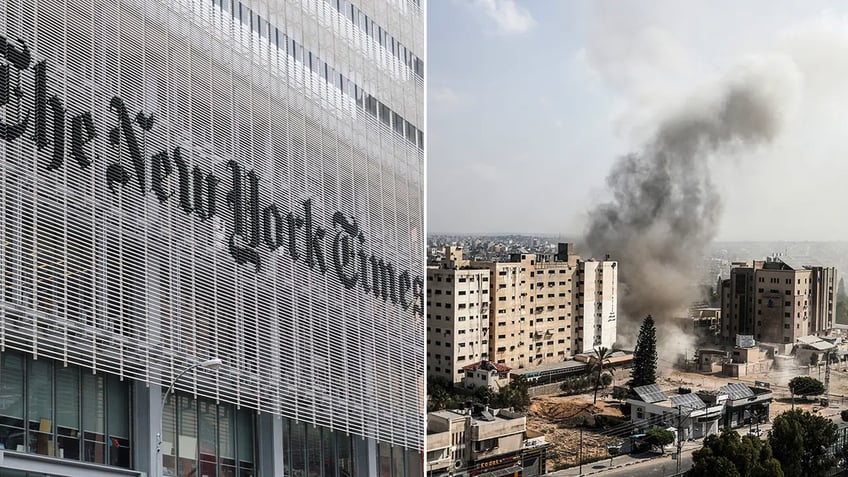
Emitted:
<point x="530" y="103"/>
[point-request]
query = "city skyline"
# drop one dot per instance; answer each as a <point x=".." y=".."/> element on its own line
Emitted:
<point x="613" y="72"/>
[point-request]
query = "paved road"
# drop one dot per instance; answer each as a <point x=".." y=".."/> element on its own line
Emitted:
<point x="659" y="467"/>
<point x="623" y="466"/>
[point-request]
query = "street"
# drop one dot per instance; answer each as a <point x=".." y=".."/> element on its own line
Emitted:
<point x="659" y="466"/>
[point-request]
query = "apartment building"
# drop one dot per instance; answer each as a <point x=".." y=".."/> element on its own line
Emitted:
<point x="778" y="300"/>
<point x="457" y="316"/>
<point x="596" y="305"/>
<point x="541" y="309"/>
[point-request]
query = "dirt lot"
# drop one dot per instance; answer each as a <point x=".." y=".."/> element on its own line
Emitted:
<point x="558" y="417"/>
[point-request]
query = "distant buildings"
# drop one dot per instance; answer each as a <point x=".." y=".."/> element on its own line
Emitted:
<point x="527" y="311"/>
<point x="778" y="300"/>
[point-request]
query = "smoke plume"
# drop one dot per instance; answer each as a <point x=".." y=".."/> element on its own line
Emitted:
<point x="665" y="207"/>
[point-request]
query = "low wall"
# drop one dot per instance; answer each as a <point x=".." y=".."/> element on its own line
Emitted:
<point x="545" y="389"/>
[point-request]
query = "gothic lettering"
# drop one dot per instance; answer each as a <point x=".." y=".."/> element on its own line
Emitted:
<point x="160" y="170"/>
<point x="182" y="174"/>
<point x="235" y="199"/>
<point x="293" y="223"/>
<point x="273" y="226"/>
<point x="405" y="286"/>
<point x="79" y="138"/>
<point x="10" y="84"/>
<point x="125" y="126"/>
<point x="314" y="237"/>
<point x="383" y="280"/>
<point x="254" y="224"/>
<point x="58" y="112"/>
<point x="343" y="250"/>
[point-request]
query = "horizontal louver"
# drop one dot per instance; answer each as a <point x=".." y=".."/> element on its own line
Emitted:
<point x="137" y="119"/>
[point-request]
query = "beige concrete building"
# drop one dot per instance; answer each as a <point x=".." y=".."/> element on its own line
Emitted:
<point x="596" y="315"/>
<point x="538" y="307"/>
<point x="541" y="309"/>
<point x="481" y="441"/>
<point x="778" y="300"/>
<point x="457" y="316"/>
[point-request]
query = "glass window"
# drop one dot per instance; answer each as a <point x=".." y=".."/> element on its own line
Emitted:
<point x="344" y="449"/>
<point x="385" y="114"/>
<point x="298" y="447"/>
<point x="397" y="461"/>
<point x="40" y="401"/>
<point x="169" y="431"/>
<point x="68" y="412"/>
<point x="209" y="439"/>
<point x="245" y="442"/>
<point x="12" y="401"/>
<point x="187" y="436"/>
<point x="93" y="419"/>
<point x="118" y="422"/>
<point x="66" y="409"/>
<point x="227" y="441"/>
<point x="208" y="427"/>
<point x="385" y="460"/>
<point x="328" y="450"/>
<point x="414" y="464"/>
<point x="313" y="450"/>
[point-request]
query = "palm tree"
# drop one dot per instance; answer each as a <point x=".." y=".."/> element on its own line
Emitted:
<point x="601" y="357"/>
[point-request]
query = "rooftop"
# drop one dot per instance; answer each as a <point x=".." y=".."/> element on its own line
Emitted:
<point x="547" y="367"/>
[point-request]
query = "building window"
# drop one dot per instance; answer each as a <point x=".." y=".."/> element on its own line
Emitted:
<point x="32" y="421"/>
<point x="200" y="437"/>
<point x="310" y="450"/>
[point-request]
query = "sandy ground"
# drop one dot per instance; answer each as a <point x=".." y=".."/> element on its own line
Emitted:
<point x="558" y="416"/>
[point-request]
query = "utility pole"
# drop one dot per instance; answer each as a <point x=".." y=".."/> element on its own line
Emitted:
<point x="580" y="453"/>
<point x="679" y="436"/>
<point x="827" y="377"/>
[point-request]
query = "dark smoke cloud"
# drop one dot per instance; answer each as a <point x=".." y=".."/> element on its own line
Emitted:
<point x="666" y="208"/>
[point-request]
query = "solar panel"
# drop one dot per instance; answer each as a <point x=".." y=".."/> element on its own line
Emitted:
<point x="688" y="401"/>
<point x="736" y="391"/>
<point x="650" y="393"/>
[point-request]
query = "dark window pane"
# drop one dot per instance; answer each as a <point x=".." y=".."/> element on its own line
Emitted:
<point x="119" y="422"/>
<point x="40" y="401"/>
<point x="67" y="412"/>
<point x="93" y="418"/>
<point x="12" y="401"/>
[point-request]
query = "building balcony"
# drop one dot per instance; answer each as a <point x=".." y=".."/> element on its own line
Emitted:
<point x="438" y="440"/>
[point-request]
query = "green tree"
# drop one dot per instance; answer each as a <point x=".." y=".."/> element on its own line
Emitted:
<point x="441" y="395"/>
<point x="801" y="442"/>
<point x="515" y="395"/>
<point x="619" y="393"/>
<point x="598" y="360"/>
<point x="659" y="438"/>
<point x="745" y="456"/>
<point x="645" y="355"/>
<point x="806" y="386"/>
